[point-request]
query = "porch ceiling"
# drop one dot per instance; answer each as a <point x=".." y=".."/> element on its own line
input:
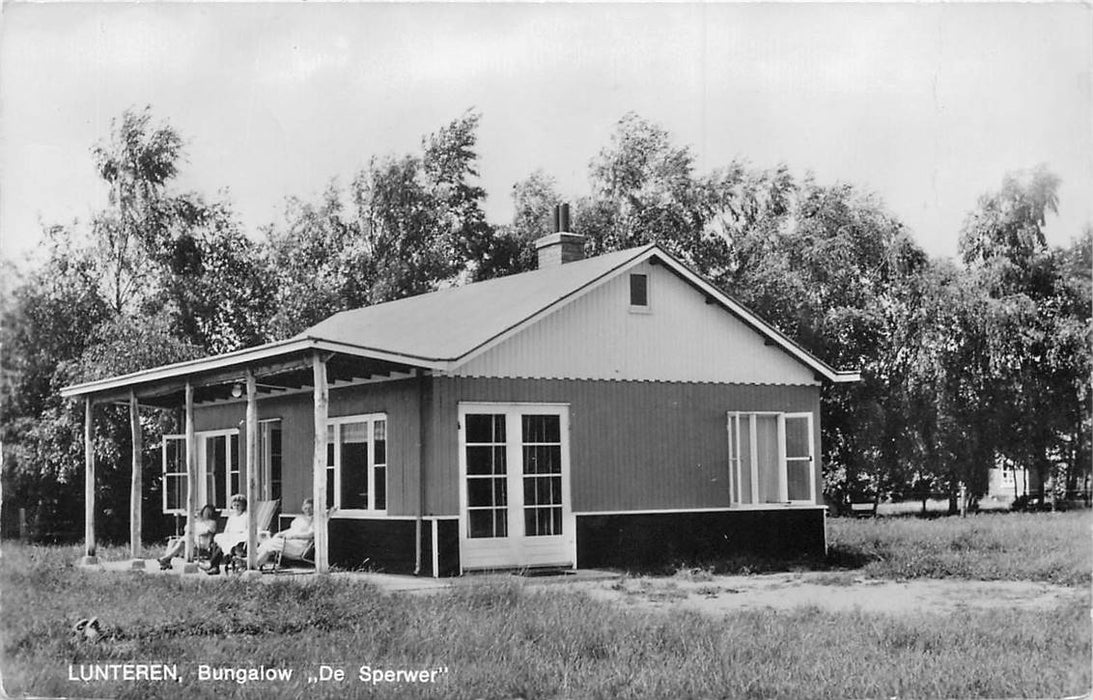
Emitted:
<point x="276" y="371"/>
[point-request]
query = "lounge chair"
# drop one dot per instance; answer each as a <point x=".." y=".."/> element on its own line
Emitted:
<point x="308" y="557"/>
<point x="263" y="516"/>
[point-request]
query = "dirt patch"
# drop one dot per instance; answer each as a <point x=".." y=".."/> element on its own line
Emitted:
<point x="718" y="595"/>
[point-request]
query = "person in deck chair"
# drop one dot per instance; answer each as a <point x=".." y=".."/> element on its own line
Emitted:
<point x="294" y="541"/>
<point x="204" y="529"/>
<point x="235" y="533"/>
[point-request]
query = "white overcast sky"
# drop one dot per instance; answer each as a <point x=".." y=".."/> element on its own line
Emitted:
<point x="928" y="105"/>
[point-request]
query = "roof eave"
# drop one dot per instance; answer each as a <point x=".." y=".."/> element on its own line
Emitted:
<point x="841" y="377"/>
<point x="240" y="358"/>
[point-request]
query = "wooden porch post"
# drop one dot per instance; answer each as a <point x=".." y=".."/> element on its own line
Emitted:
<point x="135" y="494"/>
<point x="318" y="482"/>
<point x="191" y="479"/>
<point x="252" y="468"/>
<point x="89" y="484"/>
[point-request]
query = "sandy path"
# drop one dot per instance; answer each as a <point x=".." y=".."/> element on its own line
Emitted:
<point x="835" y="592"/>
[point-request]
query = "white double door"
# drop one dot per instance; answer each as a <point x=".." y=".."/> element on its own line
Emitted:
<point x="515" y="500"/>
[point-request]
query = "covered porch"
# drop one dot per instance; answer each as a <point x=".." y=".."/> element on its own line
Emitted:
<point x="299" y="366"/>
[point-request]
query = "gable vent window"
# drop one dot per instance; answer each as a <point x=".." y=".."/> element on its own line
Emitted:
<point x="639" y="292"/>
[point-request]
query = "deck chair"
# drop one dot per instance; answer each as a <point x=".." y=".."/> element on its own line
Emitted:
<point x="263" y="516"/>
<point x="308" y="557"/>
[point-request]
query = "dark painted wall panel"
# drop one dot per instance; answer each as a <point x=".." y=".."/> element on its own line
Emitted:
<point x="673" y="539"/>
<point x="448" y="555"/>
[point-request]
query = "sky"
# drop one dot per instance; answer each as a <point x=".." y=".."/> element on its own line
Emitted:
<point x="926" y="105"/>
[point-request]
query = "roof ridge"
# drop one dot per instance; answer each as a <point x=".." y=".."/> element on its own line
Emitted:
<point x="566" y="267"/>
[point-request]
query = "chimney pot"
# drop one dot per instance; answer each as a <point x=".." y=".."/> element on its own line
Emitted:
<point x="562" y="246"/>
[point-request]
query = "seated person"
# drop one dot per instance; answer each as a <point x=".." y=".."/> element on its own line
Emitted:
<point x="293" y="542"/>
<point x="235" y="529"/>
<point x="235" y="533"/>
<point x="204" y="530"/>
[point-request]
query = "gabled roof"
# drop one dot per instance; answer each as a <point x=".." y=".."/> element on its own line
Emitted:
<point x="444" y="329"/>
<point x="454" y="325"/>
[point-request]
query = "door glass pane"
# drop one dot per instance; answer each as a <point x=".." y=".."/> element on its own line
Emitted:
<point x="541" y="428"/>
<point x="353" y="450"/>
<point x="269" y="460"/>
<point x="216" y="466"/>
<point x="485" y="459"/>
<point x="487" y="483"/>
<point x="485" y="428"/>
<point x="766" y="446"/>
<point x="487" y="522"/>
<point x="174" y="485"/>
<point x="542" y="457"/>
<point x="275" y="460"/>
<point x="486" y="492"/>
<point x="233" y="466"/>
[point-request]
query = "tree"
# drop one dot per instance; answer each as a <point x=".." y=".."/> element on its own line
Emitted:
<point x="512" y="247"/>
<point x="643" y="190"/>
<point x="137" y="163"/>
<point x="158" y="277"/>
<point x="413" y="223"/>
<point x="1031" y="353"/>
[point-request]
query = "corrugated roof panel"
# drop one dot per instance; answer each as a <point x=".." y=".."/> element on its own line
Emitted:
<point x="450" y="323"/>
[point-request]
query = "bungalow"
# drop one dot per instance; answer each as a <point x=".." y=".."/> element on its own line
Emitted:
<point x="612" y="411"/>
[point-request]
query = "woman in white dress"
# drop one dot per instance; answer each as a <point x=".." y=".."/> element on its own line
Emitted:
<point x="235" y="532"/>
<point x="294" y="541"/>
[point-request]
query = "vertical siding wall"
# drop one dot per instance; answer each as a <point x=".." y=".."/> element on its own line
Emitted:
<point x="398" y="399"/>
<point x="680" y="338"/>
<point x="633" y="445"/>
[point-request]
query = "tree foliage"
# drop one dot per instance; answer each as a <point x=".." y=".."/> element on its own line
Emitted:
<point x="964" y="366"/>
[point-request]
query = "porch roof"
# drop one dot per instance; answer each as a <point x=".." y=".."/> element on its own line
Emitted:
<point x="278" y="367"/>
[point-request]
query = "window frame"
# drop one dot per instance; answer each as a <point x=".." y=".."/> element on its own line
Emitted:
<point x="335" y="425"/>
<point x="233" y="467"/>
<point x="266" y="456"/>
<point x="735" y="461"/>
<point x="647" y="307"/>
<point x="182" y="475"/>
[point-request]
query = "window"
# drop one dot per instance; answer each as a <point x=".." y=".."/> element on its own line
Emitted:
<point x="356" y="463"/>
<point x="639" y="291"/>
<point x="218" y="475"/>
<point x="174" y="474"/>
<point x="770" y="458"/>
<point x="221" y="467"/>
<point x="269" y="459"/>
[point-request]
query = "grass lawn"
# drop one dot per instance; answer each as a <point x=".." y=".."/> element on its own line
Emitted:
<point x="1054" y="547"/>
<point x="512" y="639"/>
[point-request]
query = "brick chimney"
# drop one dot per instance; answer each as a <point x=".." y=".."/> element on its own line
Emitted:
<point x="562" y="246"/>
